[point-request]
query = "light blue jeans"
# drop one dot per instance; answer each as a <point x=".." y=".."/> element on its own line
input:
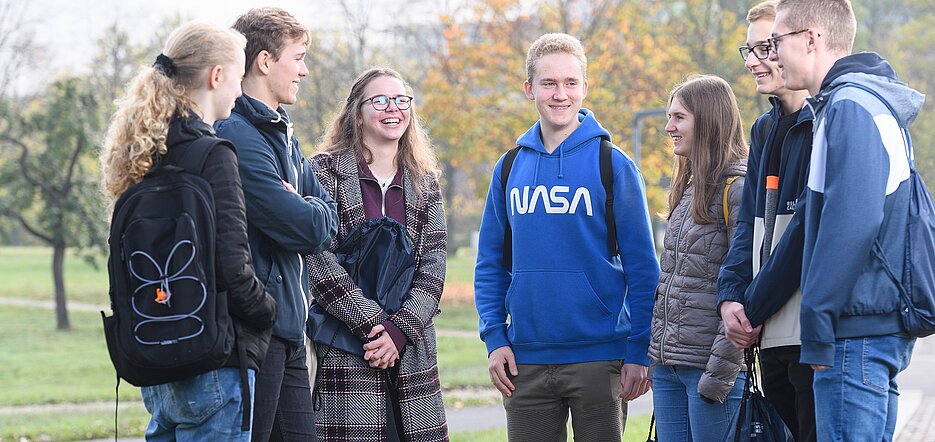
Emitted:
<point x="681" y="413"/>
<point x="206" y="407"/>
<point x="856" y="399"/>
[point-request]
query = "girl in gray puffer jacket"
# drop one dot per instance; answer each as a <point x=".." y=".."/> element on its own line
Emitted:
<point x="696" y="386"/>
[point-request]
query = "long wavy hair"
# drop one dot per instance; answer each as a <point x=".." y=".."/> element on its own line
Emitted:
<point x="344" y="134"/>
<point x="718" y="142"/>
<point x="138" y="130"/>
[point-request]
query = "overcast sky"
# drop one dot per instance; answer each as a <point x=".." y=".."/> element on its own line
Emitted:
<point x="69" y="29"/>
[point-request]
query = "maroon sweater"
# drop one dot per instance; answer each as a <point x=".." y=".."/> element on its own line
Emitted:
<point x="395" y="205"/>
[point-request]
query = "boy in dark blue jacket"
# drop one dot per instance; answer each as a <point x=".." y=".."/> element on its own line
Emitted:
<point x="766" y="306"/>
<point x="857" y="195"/>
<point x="578" y="328"/>
<point x="289" y="214"/>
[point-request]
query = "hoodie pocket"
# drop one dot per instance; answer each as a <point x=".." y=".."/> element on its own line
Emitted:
<point x="556" y="307"/>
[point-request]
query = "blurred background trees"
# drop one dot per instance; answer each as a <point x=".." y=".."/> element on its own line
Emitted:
<point x="465" y="61"/>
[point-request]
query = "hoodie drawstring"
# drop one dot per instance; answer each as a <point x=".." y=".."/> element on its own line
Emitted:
<point x="561" y="161"/>
<point x="535" y="175"/>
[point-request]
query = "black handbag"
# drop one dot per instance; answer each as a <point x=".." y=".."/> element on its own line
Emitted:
<point x="378" y="257"/>
<point x="756" y="420"/>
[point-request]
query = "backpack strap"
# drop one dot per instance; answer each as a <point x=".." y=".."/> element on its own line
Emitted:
<point x="730" y="181"/>
<point x="193" y="157"/>
<point x="607" y="180"/>
<point x="505" y="167"/>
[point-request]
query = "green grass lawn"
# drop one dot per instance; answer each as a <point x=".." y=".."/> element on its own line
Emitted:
<point x="44" y="366"/>
<point x="460" y="267"/>
<point x="461" y="317"/>
<point x="27" y="273"/>
<point x="73" y="425"/>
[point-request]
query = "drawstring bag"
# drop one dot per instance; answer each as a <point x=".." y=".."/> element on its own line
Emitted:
<point x="756" y="420"/>
<point x="378" y="257"/>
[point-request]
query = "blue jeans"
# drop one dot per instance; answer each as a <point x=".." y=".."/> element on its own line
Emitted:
<point x="284" y="396"/>
<point x="206" y="407"/>
<point x="856" y="399"/>
<point x="681" y="413"/>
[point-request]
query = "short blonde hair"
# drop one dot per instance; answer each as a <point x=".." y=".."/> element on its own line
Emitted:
<point x="555" y="43"/>
<point x="835" y="16"/>
<point x="763" y="11"/>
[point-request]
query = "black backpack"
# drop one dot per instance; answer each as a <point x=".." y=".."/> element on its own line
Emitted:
<point x="607" y="180"/>
<point x="169" y="321"/>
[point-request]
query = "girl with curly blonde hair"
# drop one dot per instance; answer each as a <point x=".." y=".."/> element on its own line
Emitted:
<point x="167" y="107"/>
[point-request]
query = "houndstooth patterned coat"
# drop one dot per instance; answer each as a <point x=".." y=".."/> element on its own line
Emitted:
<point x="350" y="398"/>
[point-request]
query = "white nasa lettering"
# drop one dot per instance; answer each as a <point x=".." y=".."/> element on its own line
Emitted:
<point x="581" y="194"/>
<point x="557" y="199"/>
<point x="553" y="200"/>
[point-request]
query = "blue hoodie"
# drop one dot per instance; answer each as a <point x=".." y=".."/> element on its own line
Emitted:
<point x="858" y="192"/>
<point x="567" y="300"/>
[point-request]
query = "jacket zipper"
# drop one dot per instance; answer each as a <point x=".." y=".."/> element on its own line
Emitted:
<point x="665" y="296"/>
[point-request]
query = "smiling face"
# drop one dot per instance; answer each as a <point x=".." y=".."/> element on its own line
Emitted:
<point x="380" y="127"/>
<point x="681" y="127"/>
<point x="558" y="88"/>
<point x="766" y="72"/>
<point x="287" y="72"/>
<point x="792" y="55"/>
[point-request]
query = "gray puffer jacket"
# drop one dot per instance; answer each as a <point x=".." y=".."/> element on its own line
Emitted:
<point x="686" y="327"/>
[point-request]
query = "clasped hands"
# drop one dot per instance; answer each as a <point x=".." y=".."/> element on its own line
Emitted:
<point x="381" y="351"/>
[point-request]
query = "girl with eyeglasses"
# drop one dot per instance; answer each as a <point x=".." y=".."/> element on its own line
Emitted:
<point x="377" y="161"/>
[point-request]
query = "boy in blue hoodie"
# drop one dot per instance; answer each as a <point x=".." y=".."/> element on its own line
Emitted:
<point x="857" y="195"/>
<point x="566" y="325"/>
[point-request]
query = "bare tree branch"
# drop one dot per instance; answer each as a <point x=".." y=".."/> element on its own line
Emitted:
<point x="26" y="225"/>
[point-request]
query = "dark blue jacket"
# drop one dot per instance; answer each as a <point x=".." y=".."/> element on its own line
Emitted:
<point x="778" y="279"/>
<point x="857" y="194"/>
<point x="282" y="226"/>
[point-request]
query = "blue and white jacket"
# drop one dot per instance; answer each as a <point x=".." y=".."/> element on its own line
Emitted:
<point x="773" y="296"/>
<point x="567" y="300"/>
<point x="857" y="193"/>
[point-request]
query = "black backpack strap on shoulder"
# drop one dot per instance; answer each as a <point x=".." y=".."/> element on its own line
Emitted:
<point x="607" y="180"/>
<point x="505" y="167"/>
<point x="194" y="156"/>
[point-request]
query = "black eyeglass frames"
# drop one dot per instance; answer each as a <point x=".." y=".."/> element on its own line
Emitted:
<point x="775" y="41"/>
<point x="760" y="51"/>
<point x="382" y="102"/>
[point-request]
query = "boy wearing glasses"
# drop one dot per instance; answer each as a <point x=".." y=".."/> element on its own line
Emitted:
<point x="759" y="298"/>
<point x="857" y="195"/>
<point x="289" y="214"/>
<point x="579" y="315"/>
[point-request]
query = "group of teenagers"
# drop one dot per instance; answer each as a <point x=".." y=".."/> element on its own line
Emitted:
<point x="767" y="244"/>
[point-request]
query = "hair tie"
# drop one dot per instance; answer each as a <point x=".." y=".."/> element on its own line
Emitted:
<point x="164" y="64"/>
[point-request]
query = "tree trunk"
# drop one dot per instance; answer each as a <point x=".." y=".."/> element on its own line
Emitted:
<point x="58" y="274"/>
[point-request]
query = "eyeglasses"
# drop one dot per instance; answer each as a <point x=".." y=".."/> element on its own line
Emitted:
<point x="381" y="103"/>
<point x="760" y="51"/>
<point x="774" y="41"/>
